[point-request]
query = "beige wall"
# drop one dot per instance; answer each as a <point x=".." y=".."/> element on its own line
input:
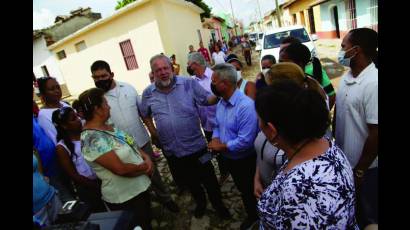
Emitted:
<point x="299" y="6"/>
<point x="178" y="26"/>
<point x="316" y="15"/>
<point x="138" y="25"/>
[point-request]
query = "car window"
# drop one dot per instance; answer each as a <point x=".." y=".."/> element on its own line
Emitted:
<point x="260" y="36"/>
<point x="274" y="40"/>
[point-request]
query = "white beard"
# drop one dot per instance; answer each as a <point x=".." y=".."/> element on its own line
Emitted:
<point x="166" y="83"/>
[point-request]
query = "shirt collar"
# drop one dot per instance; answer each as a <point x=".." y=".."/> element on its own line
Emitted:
<point x="233" y="99"/>
<point x="351" y="80"/>
<point x="207" y="74"/>
<point x="113" y="90"/>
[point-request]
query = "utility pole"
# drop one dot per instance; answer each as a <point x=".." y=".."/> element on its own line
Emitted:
<point x="278" y="13"/>
<point x="260" y="16"/>
<point x="234" y="21"/>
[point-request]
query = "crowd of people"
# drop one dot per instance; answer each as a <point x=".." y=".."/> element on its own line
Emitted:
<point x="294" y="167"/>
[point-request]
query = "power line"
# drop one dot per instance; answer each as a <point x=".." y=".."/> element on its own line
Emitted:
<point x="221" y="5"/>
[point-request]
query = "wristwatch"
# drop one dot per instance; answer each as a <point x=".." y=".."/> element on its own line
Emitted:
<point x="359" y="173"/>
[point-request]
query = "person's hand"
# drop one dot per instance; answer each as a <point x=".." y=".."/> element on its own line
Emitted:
<point x="150" y="166"/>
<point x="259" y="76"/>
<point x="143" y="166"/>
<point x="257" y="188"/>
<point x="216" y="145"/>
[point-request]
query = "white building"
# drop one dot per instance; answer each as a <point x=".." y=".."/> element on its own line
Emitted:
<point x="44" y="61"/>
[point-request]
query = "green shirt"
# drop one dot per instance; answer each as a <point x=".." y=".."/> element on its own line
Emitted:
<point x="114" y="188"/>
<point x="326" y="83"/>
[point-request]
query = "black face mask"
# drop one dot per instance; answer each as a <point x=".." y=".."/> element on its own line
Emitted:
<point x="104" y="84"/>
<point x="215" y="91"/>
<point x="190" y="71"/>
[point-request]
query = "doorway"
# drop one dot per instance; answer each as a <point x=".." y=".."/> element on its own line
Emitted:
<point x="335" y="18"/>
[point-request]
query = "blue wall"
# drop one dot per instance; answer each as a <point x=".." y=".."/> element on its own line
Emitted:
<point x="327" y="17"/>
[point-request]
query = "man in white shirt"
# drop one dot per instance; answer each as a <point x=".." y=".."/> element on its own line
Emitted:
<point x="356" y="115"/>
<point x="124" y="102"/>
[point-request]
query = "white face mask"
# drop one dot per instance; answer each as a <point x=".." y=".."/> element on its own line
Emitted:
<point x="238" y="75"/>
<point x="264" y="71"/>
<point x="342" y="59"/>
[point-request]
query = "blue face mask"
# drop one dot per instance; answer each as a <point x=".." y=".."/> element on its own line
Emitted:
<point x="342" y="59"/>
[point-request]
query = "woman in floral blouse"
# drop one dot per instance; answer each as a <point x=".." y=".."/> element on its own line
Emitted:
<point x="116" y="159"/>
<point x="314" y="188"/>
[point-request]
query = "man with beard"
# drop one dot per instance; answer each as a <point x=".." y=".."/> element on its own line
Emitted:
<point x="124" y="102"/>
<point x="172" y="102"/>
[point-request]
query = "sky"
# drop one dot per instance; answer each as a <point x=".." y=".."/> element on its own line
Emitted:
<point x="45" y="11"/>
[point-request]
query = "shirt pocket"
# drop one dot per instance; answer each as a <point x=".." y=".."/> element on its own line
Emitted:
<point x="355" y="105"/>
<point x="185" y="107"/>
<point x="159" y="108"/>
<point x="129" y="101"/>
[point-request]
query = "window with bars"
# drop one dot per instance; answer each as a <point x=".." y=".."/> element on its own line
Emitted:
<point x="373" y="14"/>
<point x="45" y="71"/>
<point x="80" y="46"/>
<point x="61" y="55"/>
<point x="351" y="14"/>
<point x="128" y="54"/>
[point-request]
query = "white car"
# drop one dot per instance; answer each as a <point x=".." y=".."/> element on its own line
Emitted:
<point x="271" y="40"/>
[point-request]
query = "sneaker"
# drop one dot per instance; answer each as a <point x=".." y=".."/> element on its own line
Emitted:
<point x="199" y="211"/>
<point x="222" y="179"/>
<point x="172" y="206"/>
<point x="223" y="213"/>
<point x="248" y="224"/>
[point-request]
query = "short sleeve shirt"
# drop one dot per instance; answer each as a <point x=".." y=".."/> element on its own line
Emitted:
<point x="356" y="106"/>
<point x="316" y="194"/>
<point x="124" y="103"/>
<point x="114" y="188"/>
<point x="269" y="159"/>
<point x="176" y="115"/>
<point x="326" y="83"/>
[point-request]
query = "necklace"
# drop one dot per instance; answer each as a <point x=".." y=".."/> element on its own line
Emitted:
<point x="298" y="150"/>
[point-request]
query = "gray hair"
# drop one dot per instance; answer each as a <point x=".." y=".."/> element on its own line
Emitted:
<point x="159" y="56"/>
<point x="226" y="71"/>
<point x="197" y="58"/>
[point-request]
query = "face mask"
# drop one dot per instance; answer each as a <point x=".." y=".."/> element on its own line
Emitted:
<point x="104" y="84"/>
<point x="238" y="75"/>
<point x="215" y="91"/>
<point x="190" y="71"/>
<point x="265" y="70"/>
<point x="342" y="59"/>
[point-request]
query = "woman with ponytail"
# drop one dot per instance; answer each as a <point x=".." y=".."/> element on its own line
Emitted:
<point x="300" y="54"/>
<point x="314" y="189"/>
<point x="71" y="160"/>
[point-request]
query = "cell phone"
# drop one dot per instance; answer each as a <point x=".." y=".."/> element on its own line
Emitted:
<point x="205" y="158"/>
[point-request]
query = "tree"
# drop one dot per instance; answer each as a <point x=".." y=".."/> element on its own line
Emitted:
<point x="122" y="3"/>
<point x="199" y="3"/>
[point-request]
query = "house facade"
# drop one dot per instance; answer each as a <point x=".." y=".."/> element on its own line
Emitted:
<point x="128" y="39"/>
